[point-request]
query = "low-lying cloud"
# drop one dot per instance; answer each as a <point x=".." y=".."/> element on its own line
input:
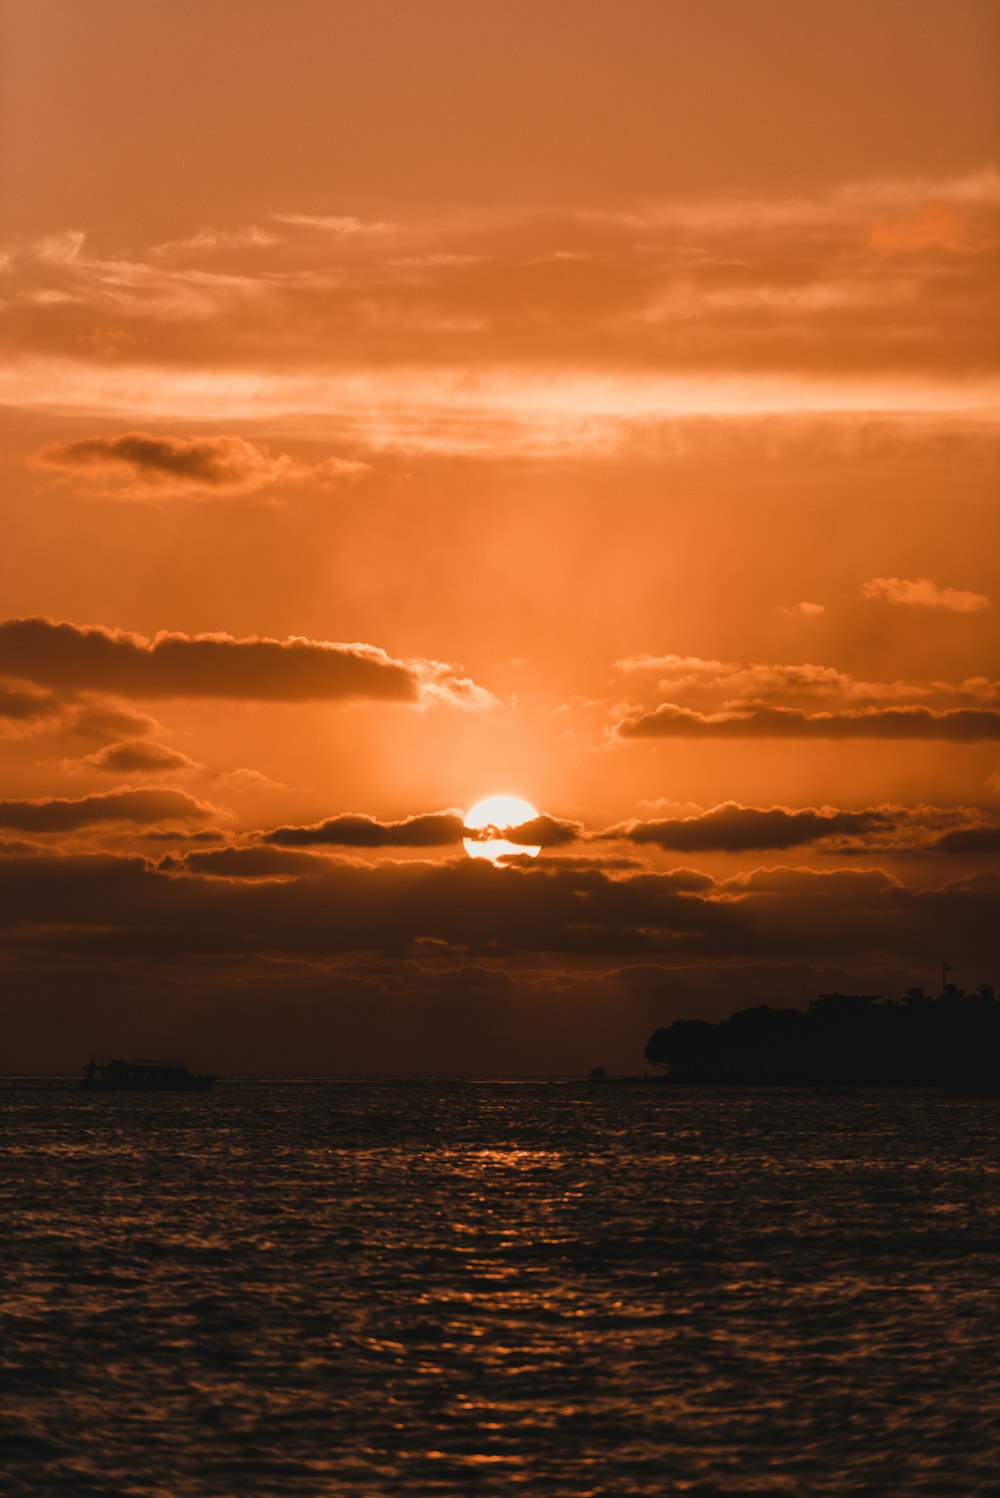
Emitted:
<point x="100" y="906"/>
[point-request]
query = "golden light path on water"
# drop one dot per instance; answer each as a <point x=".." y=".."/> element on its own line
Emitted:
<point x="497" y="815"/>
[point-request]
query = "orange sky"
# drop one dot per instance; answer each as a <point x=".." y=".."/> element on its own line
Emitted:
<point x="400" y="404"/>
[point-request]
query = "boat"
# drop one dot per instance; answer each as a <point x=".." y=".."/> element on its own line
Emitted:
<point x="141" y="1076"/>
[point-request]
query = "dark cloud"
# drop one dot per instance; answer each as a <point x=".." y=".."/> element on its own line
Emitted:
<point x="13" y="847"/>
<point x="728" y="828"/>
<point x="957" y="725"/>
<point x="541" y="832"/>
<point x="62" y="655"/>
<point x="969" y="840"/>
<point x="128" y="908"/>
<point x="21" y="704"/>
<point x="185" y="835"/>
<point x="68" y="714"/>
<point x="100" y="721"/>
<point x="140" y="807"/>
<point x="737" y="829"/>
<point x="430" y="830"/>
<point x="247" y="862"/>
<point x="222" y="463"/>
<point x="207" y="460"/>
<point x="137" y="757"/>
<point x="328" y="965"/>
<point x="343" y="907"/>
<point x="839" y="886"/>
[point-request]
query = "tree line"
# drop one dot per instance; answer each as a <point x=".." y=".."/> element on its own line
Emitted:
<point x="951" y="1040"/>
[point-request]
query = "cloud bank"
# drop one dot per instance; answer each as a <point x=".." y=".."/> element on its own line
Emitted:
<point x="325" y="907"/>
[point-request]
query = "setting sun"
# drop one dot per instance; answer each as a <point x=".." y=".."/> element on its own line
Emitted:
<point x="498" y="814"/>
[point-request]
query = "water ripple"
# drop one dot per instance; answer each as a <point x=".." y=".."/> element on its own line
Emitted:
<point x="305" y="1288"/>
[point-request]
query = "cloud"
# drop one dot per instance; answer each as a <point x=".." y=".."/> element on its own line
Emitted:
<point x="130" y="909"/>
<point x="837" y="889"/>
<point x="281" y="958"/>
<point x="519" y="331"/>
<point x="175" y="665"/>
<point x="101" y="721"/>
<point x="806" y="610"/>
<point x="921" y="592"/>
<point x="62" y="249"/>
<point x="162" y="466"/>
<point x="934" y="226"/>
<point x="140" y="807"/>
<point x="699" y="681"/>
<point x="136" y="757"/>
<point x="247" y="781"/>
<point x="698" y="697"/>
<point x="428" y="830"/>
<point x="541" y="832"/>
<point x="23" y="706"/>
<point x="15" y="847"/>
<point x="355" y="830"/>
<point x="732" y="828"/>
<point x="31" y="710"/>
<point x="883" y="831"/>
<point x="202" y="835"/>
<point x="340" y="224"/>
<point x="251" y="237"/>
<point x="245" y="862"/>
<point x="344" y="907"/>
<point x="969" y="840"/>
<point x="956" y="725"/>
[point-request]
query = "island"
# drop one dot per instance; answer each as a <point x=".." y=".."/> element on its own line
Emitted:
<point x="842" y="1041"/>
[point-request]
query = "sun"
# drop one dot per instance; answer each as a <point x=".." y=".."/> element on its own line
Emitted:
<point x="496" y="814"/>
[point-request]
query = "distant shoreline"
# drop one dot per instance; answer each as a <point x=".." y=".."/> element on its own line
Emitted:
<point x="68" y="1082"/>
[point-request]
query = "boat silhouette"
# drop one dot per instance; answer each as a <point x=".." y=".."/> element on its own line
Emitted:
<point x="141" y="1076"/>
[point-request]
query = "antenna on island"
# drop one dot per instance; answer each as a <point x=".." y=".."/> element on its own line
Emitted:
<point x="945" y="970"/>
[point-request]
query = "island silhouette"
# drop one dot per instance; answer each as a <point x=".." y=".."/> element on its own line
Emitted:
<point x="844" y="1040"/>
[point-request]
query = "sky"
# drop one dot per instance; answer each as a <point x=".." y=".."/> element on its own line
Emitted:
<point x="406" y="404"/>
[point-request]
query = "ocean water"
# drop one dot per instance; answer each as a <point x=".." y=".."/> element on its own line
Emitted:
<point x="341" y="1288"/>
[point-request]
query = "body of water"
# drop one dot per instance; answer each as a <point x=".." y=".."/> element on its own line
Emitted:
<point x="338" y="1288"/>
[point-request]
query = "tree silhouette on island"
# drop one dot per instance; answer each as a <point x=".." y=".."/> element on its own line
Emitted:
<point x="844" y="1040"/>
